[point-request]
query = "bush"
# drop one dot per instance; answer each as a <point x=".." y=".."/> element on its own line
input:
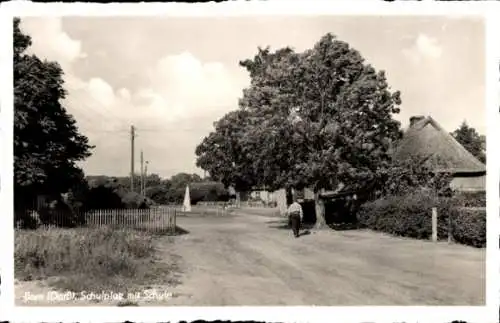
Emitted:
<point x="410" y="216"/>
<point x="134" y="200"/>
<point x="471" y="199"/>
<point x="84" y="259"/>
<point x="469" y="226"/>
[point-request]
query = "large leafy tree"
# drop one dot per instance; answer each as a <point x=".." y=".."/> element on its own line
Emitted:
<point x="471" y="140"/>
<point x="47" y="143"/>
<point x="320" y="119"/>
<point x="222" y="153"/>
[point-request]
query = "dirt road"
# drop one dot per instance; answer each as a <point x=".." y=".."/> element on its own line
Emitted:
<point x="252" y="260"/>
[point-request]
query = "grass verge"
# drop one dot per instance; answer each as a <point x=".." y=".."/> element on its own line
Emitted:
<point x="92" y="260"/>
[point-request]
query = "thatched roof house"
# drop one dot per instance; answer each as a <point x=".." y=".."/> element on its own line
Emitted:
<point x="426" y="138"/>
<point x="423" y="138"/>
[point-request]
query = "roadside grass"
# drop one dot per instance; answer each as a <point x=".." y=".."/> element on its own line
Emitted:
<point x="91" y="259"/>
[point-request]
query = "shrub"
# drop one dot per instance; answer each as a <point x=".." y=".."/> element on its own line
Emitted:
<point x="410" y="175"/>
<point x="84" y="259"/>
<point x="469" y="226"/>
<point x="61" y="214"/>
<point x="134" y="200"/>
<point x="471" y="199"/>
<point x="409" y="215"/>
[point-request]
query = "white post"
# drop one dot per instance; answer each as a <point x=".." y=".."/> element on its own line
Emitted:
<point x="186" y="206"/>
<point x="434" y="225"/>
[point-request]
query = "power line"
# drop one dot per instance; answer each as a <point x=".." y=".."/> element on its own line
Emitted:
<point x="83" y="112"/>
<point x="99" y="111"/>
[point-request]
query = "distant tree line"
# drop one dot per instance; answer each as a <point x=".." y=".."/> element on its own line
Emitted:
<point x="105" y="192"/>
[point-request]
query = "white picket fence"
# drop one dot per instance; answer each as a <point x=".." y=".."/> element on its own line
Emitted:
<point x="155" y="219"/>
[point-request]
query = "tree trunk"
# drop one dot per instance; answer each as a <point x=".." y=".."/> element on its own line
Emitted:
<point x="320" y="211"/>
<point x="289" y="196"/>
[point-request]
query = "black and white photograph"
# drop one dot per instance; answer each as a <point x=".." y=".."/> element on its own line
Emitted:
<point x="249" y="161"/>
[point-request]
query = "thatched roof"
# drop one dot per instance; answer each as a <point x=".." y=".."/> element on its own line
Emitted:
<point x="426" y="138"/>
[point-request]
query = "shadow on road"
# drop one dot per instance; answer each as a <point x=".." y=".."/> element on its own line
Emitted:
<point x="180" y="231"/>
<point x="305" y="233"/>
<point x="344" y="226"/>
<point x="284" y="225"/>
<point x="166" y="232"/>
<point x="277" y="221"/>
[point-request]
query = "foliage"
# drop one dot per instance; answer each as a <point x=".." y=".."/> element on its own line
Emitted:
<point x="86" y="259"/>
<point x="160" y="193"/>
<point x="316" y="118"/>
<point x="221" y="152"/>
<point x="208" y="191"/>
<point x="471" y="140"/>
<point x="112" y="193"/>
<point x="47" y="143"/>
<point x="406" y="176"/>
<point x="134" y="200"/>
<point x="469" y="227"/>
<point x="470" y="199"/>
<point x="406" y="215"/>
<point x="409" y="215"/>
<point x="180" y="180"/>
<point x="71" y="218"/>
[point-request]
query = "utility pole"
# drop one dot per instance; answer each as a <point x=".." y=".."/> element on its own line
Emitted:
<point x="145" y="176"/>
<point x="142" y="173"/>
<point x="132" y="137"/>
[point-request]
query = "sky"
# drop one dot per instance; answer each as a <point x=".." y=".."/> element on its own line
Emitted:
<point x="173" y="77"/>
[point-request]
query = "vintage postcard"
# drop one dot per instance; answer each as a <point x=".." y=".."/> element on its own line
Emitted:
<point x="305" y="162"/>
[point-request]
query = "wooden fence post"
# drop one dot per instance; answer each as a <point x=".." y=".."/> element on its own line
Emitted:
<point x="174" y="227"/>
<point x="450" y="231"/>
<point x="434" y="225"/>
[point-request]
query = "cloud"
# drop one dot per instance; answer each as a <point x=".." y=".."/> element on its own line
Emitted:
<point x="101" y="91"/>
<point x="180" y="88"/>
<point x="428" y="46"/>
<point x="424" y="47"/>
<point x="193" y="87"/>
<point x="124" y="93"/>
<point x="49" y="41"/>
<point x="177" y="86"/>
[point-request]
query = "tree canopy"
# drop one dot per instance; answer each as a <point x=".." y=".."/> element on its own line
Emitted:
<point x="471" y="140"/>
<point x="114" y="192"/>
<point x="47" y="142"/>
<point x="221" y="152"/>
<point x="312" y="119"/>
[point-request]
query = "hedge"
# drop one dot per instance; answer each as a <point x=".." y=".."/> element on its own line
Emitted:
<point x="410" y="216"/>
<point x="471" y="199"/>
<point x="469" y="227"/>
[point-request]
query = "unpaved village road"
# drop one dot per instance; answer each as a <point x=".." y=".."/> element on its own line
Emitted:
<point x="250" y="260"/>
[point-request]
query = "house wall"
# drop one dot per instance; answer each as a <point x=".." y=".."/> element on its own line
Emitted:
<point x="263" y="195"/>
<point x="308" y="194"/>
<point x="469" y="184"/>
<point x="280" y="197"/>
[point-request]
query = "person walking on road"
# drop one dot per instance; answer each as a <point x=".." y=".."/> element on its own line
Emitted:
<point x="295" y="216"/>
